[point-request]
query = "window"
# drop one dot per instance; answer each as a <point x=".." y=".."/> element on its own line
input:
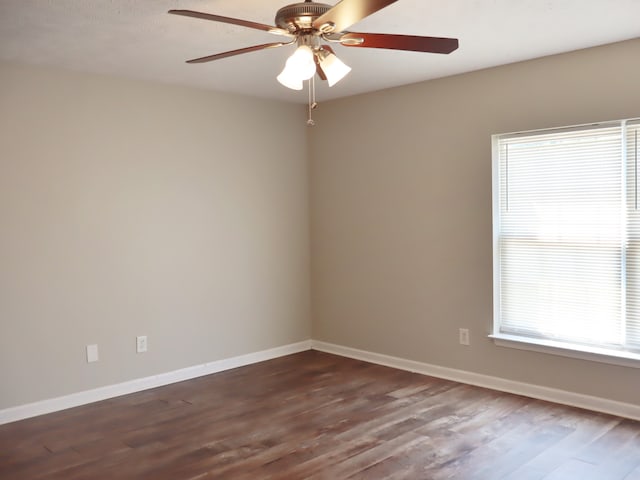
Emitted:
<point x="567" y="238"/>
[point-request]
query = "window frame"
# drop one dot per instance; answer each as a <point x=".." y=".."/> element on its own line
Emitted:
<point x="548" y="346"/>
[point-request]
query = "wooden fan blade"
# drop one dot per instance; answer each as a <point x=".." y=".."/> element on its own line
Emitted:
<point x="400" y="42"/>
<point x="347" y="12"/>
<point x="231" y="53"/>
<point x="233" y="21"/>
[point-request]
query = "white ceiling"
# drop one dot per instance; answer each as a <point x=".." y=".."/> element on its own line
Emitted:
<point x="137" y="38"/>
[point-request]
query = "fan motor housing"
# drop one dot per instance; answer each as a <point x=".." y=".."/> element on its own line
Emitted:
<point x="300" y="16"/>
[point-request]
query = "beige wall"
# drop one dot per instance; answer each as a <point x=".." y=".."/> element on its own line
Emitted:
<point x="130" y="208"/>
<point x="401" y="211"/>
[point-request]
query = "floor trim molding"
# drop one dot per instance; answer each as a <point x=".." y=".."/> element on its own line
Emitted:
<point x="21" y="412"/>
<point x="564" y="397"/>
<point x="597" y="404"/>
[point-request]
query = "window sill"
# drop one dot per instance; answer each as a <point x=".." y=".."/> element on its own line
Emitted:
<point x="594" y="354"/>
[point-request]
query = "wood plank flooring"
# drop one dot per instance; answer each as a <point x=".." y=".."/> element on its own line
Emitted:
<point x="318" y="416"/>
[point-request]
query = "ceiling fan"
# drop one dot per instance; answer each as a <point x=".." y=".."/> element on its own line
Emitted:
<point x="308" y="24"/>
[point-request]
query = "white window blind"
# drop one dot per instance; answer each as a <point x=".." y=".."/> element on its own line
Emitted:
<point x="567" y="244"/>
<point x="633" y="232"/>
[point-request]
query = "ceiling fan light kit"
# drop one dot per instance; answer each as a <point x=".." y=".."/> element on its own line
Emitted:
<point x="307" y="24"/>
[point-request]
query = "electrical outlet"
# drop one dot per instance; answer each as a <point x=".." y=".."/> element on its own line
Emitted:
<point x="92" y="353"/>
<point x="463" y="335"/>
<point x="141" y="344"/>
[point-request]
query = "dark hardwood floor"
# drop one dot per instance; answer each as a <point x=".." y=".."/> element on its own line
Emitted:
<point x="319" y="416"/>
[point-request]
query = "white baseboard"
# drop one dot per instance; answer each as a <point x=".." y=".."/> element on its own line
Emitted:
<point x="598" y="404"/>
<point x="102" y="393"/>
<point x="564" y="397"/>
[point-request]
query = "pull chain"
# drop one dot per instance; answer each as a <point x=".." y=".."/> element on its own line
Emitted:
<point x="312" y="100"/>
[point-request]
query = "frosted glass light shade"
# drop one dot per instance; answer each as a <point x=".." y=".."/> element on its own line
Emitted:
<point x="289" y="80"/>
<point x="334" y="69"/>
<point x="299" y="67"/>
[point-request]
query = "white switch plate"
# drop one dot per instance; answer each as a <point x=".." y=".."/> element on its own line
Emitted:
<point x="92" y="353"/>
<point x="141" y="344"/>
<point x="464" y="336"/>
